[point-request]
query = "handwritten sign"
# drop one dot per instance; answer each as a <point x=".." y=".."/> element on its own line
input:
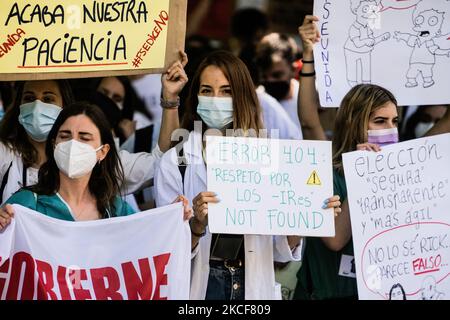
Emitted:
<point x="400" y="218"/>
<point x="40" y="40"/>
<point x="401" y="45"/>
<point x="269" y="186"/>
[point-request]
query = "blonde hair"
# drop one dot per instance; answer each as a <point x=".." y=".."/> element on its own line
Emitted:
<point x="352" y="118"/>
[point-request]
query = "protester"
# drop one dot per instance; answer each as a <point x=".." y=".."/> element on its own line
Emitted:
<point x="82" y="177"/>
<point x="367" y="119"/>
<point x="276" y="55"/>
<point x="221" y="97"/>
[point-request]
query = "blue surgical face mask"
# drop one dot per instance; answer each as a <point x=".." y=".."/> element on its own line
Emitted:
<point x="38" y="118"/>
<point x="216" y="112"/>
<point x="383" y="137"/>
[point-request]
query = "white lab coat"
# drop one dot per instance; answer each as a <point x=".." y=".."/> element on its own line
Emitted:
<point x="275" y="117"/>
<point x="260" y="250"/>
<point x="139" y="170"/>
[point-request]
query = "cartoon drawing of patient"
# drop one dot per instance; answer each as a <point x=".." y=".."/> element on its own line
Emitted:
<point x="361" y="41"/>
<point x="428" y="21"/>
<point x="428" y="290"/>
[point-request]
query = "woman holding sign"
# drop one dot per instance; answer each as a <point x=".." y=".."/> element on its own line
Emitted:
<point x="82" y="177"/>
<point x="224" y="267"/>
<point x="367" y="116"/>
<point x="25" y="127"/>
<point x="366" y="120"/>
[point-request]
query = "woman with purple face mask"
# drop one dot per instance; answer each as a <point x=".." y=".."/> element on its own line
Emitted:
<point x="366" y="120"/>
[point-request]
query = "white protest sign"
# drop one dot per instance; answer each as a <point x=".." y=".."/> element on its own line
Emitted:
<point x="404" y="46"/>
<point x="269" y="186"/>
<point x="399" y="208"/>
<point x="139" y="257"/>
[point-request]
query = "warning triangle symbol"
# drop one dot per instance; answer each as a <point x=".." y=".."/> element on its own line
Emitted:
<point x="313" y="179"/>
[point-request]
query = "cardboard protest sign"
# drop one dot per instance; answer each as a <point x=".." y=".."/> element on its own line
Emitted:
<point x="139" y="257"/>
<point x="399" y="211"/>
<point x="269" y="186"/>
<point x="43" y="40"/>
<point x="403" y="46"/>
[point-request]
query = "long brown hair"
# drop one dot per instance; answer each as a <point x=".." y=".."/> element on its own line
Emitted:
<point x="352" y="120"/>
<point x="107" y="176"/>
<point x="12" y="133"/>
<point x="246" y="107"/>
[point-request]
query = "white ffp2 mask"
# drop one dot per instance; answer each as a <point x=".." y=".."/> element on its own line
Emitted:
<point x="75" y="159"/>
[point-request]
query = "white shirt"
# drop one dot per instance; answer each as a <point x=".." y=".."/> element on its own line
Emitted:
<point x="260" y="250"/>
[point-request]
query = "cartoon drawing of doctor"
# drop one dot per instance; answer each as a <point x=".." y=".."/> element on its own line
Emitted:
<point x="361" y="41"/>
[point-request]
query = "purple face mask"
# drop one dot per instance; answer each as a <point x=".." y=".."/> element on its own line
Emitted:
<point x="383" y="137"/>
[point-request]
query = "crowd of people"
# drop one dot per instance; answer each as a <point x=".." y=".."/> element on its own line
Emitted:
<point x="91" y="149"/>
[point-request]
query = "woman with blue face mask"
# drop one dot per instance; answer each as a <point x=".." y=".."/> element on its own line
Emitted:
<point x="221" y="97"/>
<point x="26" y="124"/>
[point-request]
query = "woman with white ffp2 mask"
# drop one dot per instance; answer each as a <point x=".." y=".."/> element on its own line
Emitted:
<point x="82" y="176"/>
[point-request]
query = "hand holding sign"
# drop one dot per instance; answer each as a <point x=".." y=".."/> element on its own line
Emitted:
<point x="6" y="214"/>
<point x="200" y="206"/>
<point x="187" y="210"/>
<point x="175" y="78"/>
<point x="368" y="147"/>
<point x="309" y="33"/>
<point x="335" y="203"/>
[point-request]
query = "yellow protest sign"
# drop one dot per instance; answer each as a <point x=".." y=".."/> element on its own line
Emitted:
<point x="81" y="38"/>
